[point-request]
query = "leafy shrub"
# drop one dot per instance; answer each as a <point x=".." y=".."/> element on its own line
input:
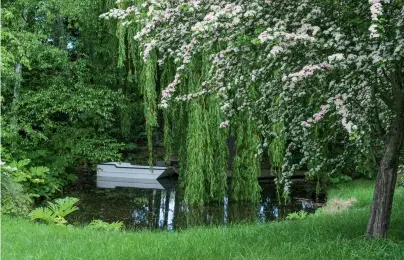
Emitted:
<point x="101" y="225"/>
<point x="55" y="212"/>
<point x="34" y="181"/>
<point x="14" y="201"/>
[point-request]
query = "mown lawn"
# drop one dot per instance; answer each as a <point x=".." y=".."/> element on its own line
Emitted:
<point x="339" y="236"/>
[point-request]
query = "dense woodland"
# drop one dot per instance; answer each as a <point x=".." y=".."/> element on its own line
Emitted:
<point x="315" y="86"/>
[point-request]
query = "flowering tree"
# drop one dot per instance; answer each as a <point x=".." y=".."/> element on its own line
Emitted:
<point x="278" y="62"/>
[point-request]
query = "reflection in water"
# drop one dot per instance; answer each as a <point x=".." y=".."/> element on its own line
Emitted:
<point x="226" y="210"/>
<point x="164" y="210"/>
<point x="275" y="212"/>
<point x="171" y="208"/>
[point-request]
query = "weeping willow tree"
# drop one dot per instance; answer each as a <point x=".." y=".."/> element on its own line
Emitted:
<point x="191" y="129"/>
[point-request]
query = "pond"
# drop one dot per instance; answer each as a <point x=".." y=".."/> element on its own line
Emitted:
<point x="164" y="210"/>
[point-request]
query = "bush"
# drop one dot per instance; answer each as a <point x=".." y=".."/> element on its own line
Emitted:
<point x="14" y="200"/>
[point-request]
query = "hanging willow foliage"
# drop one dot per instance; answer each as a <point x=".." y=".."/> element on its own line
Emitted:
<point x="216" y="149"/>
<point x="130" y="64"/>
<point x="246" y="166"/>
<point x="195" y="190"/>
<point x="150" y="99"/>
<point x="204" y="155"/>
<point x="141" y="74"/>
<point x="191" y="129"/>
<point x="276" y="153"/>
<point x="166" y="77"/>
<point x="276" y="150"/>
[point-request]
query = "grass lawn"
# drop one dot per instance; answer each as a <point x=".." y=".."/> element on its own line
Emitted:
<point x="339" y="236"/>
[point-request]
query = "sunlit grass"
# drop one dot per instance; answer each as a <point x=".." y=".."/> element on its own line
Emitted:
<point x="338" y="236"/>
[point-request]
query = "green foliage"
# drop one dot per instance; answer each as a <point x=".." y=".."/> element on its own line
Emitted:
<point x="195" y="178"/>
<point x="63" y="207"/>
<point x="166" y="78"/>
<point x="42" y="213"/>
<point x="246" y="166"/>
<point x="297" y="215"/>
<point x="216" y="150"/>
<point x="61" y="90"/>
<point x="150" y="100"/>
<point x="277" y="147"/>
<point x="339" y="179"/>
<point x="101" y="225"/>
<point x="56" y="212"/>
<point x="14" y="200"/>
<point x="205" y="149"/>
<point x="36" y="181"/>
<point x="276" y="152"/>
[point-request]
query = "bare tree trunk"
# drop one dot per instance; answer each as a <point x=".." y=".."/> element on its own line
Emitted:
<point x="379" y="219"/>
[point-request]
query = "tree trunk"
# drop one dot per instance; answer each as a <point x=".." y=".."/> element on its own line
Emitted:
<point x="379" y="219"/>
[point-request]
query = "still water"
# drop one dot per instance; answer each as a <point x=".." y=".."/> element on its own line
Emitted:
<point x="164" y="210"/>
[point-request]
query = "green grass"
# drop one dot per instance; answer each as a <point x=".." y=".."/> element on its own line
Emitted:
<point x="338" y="236"/>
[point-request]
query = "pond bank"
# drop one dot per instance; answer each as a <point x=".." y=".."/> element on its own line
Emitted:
<point x="338" y="236"/>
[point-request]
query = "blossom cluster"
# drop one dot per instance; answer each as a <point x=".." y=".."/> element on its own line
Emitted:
<point x="307" y="71"/>
<point x="191" y="96"/>
<point x="376" y="11"/>
<point x="341" y="109"/>
<point x="316" y="117"/>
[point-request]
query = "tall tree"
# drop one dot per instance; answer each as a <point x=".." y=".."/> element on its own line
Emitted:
<point x="61" y="94"/>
